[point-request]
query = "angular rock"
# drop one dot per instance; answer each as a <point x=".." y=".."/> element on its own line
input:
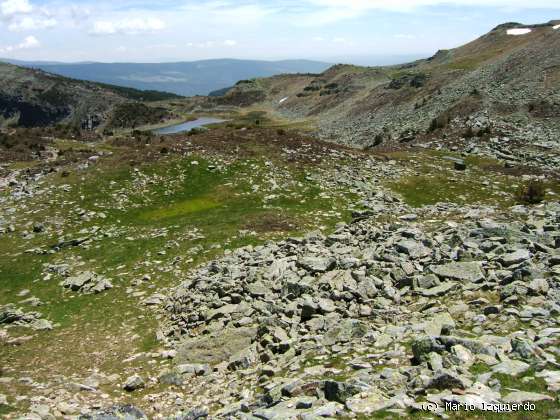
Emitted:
<point x="511" y="367"/>
<point x="317" y="264"/>
<point x="519" y="397"/>
<point x="133" y="383"/>
<point x="463" y="271"/>
<point x="515" y="257"/>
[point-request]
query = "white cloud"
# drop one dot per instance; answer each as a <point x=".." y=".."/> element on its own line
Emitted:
<point x="28" y="43"/>
<point x="228" y="12"/>
<point x="230" y="43"/>
<point x="32" y="23"/>
<point x="130" y="26"/>
<point x="21" y="15"/>
<point x="405" y="36"/>
<point x="408" y="5"/>
<point x="330" y="11"/>
<point x="10" y="8"/>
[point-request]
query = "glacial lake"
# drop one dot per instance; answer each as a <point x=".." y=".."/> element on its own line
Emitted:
<point x="187" y="126"/>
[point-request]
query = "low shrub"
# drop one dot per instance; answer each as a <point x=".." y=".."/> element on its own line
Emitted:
<point x="532" y="192"/>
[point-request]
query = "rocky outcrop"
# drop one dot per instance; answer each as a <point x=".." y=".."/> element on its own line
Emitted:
<point x="392" y="312"/>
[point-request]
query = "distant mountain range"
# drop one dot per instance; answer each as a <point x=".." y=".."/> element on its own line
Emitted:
<point x="182" y="78"/>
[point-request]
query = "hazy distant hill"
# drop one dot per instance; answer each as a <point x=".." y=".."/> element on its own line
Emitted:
<point x="32" y="98"/>
<point x="184" y="78"/>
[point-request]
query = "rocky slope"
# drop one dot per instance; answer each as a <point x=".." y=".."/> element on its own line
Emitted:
<point x="33" y="98"/>
<point x="376" y="317"/>
<point x="510" y="79"/>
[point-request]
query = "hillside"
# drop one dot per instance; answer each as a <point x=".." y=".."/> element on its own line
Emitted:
<point x="31" y="98"/>
<point x="513" y="79"/>
<point x="183" y="78"/>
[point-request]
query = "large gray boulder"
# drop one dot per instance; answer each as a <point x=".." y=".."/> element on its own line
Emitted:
<point x="462" y="271"/>
<point x="216" y="347"/>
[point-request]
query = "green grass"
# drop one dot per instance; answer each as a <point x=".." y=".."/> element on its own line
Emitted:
<point x="182" y="208"/>
<point x="435" y="181"/>
<point x="172" y="208"/>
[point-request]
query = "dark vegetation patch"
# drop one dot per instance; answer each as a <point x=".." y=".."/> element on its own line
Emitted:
<point x="134" y="114"/>
<point x="140" y="95"/>
<point x="285" y="145"/>
<point x="413" y="80"/>
<point x="544" y="109"/>
<point x="271" y="222"/>
<point x="55" y="96"/>
<point x="241" y="97"/>
<point x="31" y="115"/>
<point x="532" y="192"/>
<point x="219" y="92"/>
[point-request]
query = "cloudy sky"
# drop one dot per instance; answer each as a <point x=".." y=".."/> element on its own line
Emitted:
<point x="173" y="30"/>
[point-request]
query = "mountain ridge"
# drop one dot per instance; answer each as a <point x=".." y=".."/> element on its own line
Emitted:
<point x="182" y="77"/>
<point x="497" y="74"/>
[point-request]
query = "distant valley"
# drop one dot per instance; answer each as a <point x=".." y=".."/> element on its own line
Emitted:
<point x="182" y="78"/>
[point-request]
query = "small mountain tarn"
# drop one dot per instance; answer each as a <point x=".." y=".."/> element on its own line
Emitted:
<point x="188" y="126"/>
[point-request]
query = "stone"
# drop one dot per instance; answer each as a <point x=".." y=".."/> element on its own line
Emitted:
<point x="42" y="410"/>
<point x="515" y="257"/>
<point x="193" y="414"/>
<point x="446" y="379"/>
<point x="538" y="287"/>
<point x="3" y="400"/>
<point x="339" y="391"/>
<point x="125" y="412"/>
<point x="87" y="282"/>
<point x="440" y="290"/>
<point x="332" y="409"/>
<point x="41" y="325"/>
<point x="462" y="271"/>
<point x="459" y="165"/>
<point x="133" y="383"/>
<point x="552" y="379"/>
<point x="374" y="401"/>
<point x="427" y="282"/>
<point x="243" y="359"/>
<point x="216" y="347"/>
<point x="171" y="378"/>
<point x="423" y="346"/>
<point x="519" y="397"/>
<point x="317" y="264"/>
<point x="413" y="249"/>
<point x="511" y="367"/>
<point x="438" y="324"/>
<point x="462" y="356"/>
<point x="67" y="409"/>
<point x="195" y="369"/>
<point x="326" y="305"/>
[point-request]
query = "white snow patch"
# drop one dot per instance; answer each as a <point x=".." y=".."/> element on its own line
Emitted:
<point x="556" y="27"/>
<point x="518" y="31"/>
<point x="283" y="100"/>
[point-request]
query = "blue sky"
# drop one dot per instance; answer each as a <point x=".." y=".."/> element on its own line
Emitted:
<point x="172" y="30"/>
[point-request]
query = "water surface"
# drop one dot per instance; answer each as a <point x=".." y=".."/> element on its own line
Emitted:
<point x="187" y="126"/>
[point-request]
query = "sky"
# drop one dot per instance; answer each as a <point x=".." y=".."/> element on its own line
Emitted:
<point x="359" y="31"/>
